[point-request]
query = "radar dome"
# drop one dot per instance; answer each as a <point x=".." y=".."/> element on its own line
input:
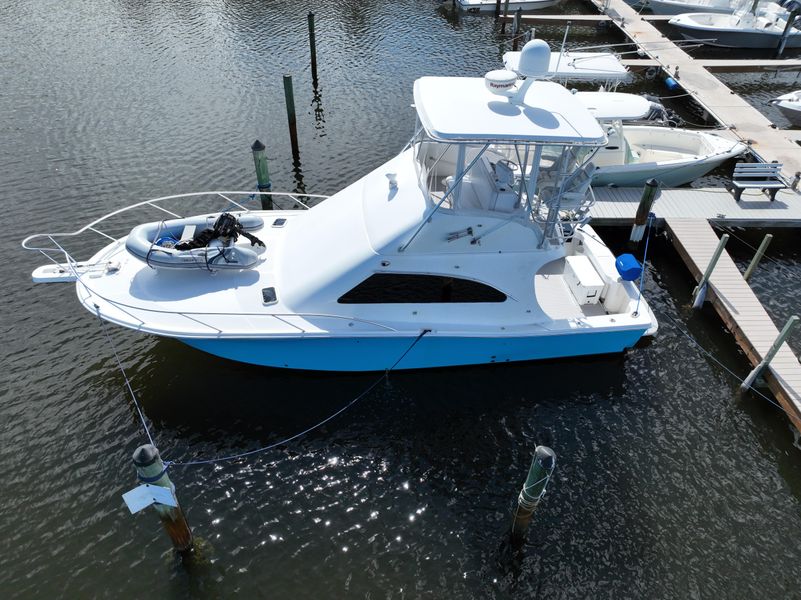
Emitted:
<point x="535" y="59"/>
<point x="500" y="81"/>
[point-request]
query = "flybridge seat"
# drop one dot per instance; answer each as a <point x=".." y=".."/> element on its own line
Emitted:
<point x="489" y="185"/>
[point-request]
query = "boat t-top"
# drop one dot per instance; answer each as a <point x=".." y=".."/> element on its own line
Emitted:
<point x="471" y="246"/>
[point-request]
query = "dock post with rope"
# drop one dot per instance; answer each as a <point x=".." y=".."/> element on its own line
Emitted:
<point x="699" y="293"/>
<point x="749" y="381"/>
<point x="758" y="256"/>
<point x="539" y="474"/>
<point x="650" y="193"/>
<point x="150" y="469"/>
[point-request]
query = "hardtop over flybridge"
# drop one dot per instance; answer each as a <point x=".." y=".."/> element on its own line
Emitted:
<point x="473" y="241"/>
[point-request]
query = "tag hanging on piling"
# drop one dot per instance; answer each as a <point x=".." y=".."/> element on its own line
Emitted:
<point x="145" y="495"/>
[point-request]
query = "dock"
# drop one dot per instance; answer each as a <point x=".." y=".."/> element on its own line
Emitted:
<point x="617" y="206"/>
<point x="740" y="310"/>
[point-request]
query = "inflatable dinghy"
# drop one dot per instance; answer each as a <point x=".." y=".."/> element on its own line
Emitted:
<point x="169" y="244"/>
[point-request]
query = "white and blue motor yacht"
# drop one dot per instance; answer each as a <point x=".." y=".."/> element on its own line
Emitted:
<point x="469" y="247"/>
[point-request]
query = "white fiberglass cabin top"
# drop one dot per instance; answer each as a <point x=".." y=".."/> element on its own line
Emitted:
<point x="471" y="246"/>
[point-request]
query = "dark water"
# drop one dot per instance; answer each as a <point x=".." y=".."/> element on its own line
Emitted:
<point x="667" y="485"/>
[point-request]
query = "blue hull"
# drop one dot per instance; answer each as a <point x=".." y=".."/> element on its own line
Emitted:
<point x="378" y="354"/>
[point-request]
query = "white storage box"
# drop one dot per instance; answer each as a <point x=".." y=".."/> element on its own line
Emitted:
<point x="583" y="280"/>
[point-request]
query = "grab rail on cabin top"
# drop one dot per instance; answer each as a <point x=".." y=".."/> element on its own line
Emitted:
<point x="194" y="316"/>
<point x="154" y="203"/>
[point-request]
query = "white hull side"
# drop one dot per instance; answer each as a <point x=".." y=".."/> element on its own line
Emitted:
<point x="734" y="31"/>
<point x="670" y="155"/>
<point x="669" y="7"/>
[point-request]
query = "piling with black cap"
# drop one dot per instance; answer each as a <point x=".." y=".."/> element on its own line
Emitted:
<point x="649" y="195"/>
<point x="262" y="173"/>
<point x="150" y="469"/>
<point x="539" y="474"/>
<point x="313" y="49"/>
<point x="289" y="97"/>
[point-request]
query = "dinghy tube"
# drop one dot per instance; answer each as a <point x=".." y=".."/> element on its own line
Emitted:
<point x="153" y="244"/>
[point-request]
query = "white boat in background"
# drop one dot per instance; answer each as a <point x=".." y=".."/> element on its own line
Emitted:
<point x="739" y="30"/>
<point x="679" y="7"/>
<point x="469" y="247"/>
<point x="489" y="5"/>
<point x="599" y="67"/>
<point x="636" y="153"/>
<point x="790" y="106"/>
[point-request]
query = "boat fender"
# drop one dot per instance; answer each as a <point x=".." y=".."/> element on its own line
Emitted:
<point x="671" y="84"/>
<point x="628" y="267"/>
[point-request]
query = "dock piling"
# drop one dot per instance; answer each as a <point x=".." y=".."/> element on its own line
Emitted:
<point x="650" y="193"/>
<point x="150" y="469"/>
<point x="313" y="48"/>
<point x="699" y="292"/>
<point x="497" y="8"/>
<point x="758" y="256"/>
<point x="749" y="381"/>
<point x="539" y="474"/>
<point x="262" y="173"/>
<point x="289" y="97"/>
<point x="516" y="23"/>
<point x="505" y="15"/>
<point x="786" y="33"/>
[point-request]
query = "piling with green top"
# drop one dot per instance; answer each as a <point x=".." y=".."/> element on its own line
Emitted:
<point x="150" y="469"/>
<point x="539" y="474"/>
<point x="262" y="173"/>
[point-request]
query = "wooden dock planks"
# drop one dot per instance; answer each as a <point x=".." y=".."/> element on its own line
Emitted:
<point x="740" y="310"/>
<point x="617" y="206"/>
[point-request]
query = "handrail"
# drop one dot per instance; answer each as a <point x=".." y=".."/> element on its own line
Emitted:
<point x="71" y="263"/>
<point x="90" y="226"/>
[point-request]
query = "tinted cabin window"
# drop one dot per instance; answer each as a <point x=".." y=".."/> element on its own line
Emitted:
<point x="388" y="288"/>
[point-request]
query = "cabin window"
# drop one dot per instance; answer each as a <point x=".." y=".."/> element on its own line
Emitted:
<point x="392" y="288"/>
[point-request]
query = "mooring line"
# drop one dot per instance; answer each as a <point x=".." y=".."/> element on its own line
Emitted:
<point x="721" y="365"/>
<point x="369" y="389"/>
<point x="125" y="376"/>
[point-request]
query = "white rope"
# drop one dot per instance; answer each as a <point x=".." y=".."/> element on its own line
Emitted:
<point x="125" y="376"/>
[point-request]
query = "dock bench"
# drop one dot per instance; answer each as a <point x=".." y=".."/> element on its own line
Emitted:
<point x="763" y="176"/>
